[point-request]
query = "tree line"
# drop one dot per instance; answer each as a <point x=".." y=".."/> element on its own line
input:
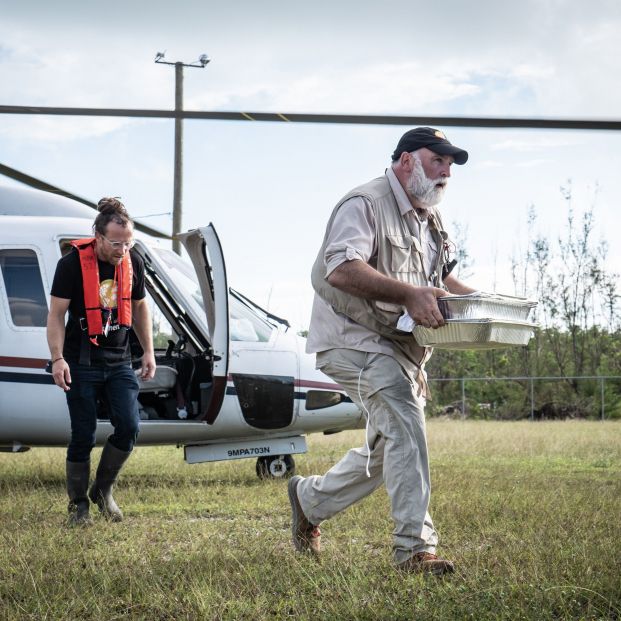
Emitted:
<point x="579" y="330"/>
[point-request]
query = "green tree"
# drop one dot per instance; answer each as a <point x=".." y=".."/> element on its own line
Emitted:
<point x="578" y="314"/>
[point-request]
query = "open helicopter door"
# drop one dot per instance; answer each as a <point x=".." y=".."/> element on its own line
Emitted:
<point x="205" y="252"/>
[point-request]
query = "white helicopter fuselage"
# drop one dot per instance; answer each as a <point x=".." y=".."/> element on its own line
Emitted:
<point x="242" y="377"/>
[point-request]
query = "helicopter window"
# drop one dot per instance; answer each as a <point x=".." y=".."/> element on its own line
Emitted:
<point x="246" y="325"/>
<point x="184" y="276"/>
<point x="162" y="330"/>
<point x="318" y="399"/>
<point x="22" y="281"/>
<point x="65" y="246"/>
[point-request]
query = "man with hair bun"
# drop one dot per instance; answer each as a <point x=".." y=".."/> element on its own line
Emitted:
<point x="100" y="284"/>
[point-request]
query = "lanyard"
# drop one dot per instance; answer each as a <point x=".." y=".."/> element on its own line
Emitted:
<point x="114" y="291"/>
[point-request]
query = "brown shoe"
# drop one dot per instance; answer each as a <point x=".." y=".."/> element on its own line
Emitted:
<point x="306" y="536"/>
<point x="427" y="563"/>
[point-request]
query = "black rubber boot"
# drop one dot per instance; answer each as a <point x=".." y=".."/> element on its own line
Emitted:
<point x="110" y="464"/>
<point x="77" y="486"/>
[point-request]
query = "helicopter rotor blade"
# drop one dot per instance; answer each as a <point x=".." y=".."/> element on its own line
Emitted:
<point x="356" y="119"/>
<point x="39" y="184"/>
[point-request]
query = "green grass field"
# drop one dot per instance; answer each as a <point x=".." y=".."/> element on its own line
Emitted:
<point x="530" y="512"/>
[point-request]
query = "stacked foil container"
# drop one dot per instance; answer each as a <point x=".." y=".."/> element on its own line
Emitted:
<point x="480" y="321"/>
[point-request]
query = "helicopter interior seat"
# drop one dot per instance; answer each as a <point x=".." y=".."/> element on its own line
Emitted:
<point x="176" y="386"/>
<point x="165" y="378"/>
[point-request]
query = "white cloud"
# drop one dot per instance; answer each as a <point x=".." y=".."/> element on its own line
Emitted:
<point x="488" y="164"/>
<point x="530" y="58"/>
<point x="386" y="87"/>
<point x="39" y="129"/>
<point x="79" y="72"/>
<point x="533" y="163"/>
<point x="535" y="143"/>
<point x="533" y="71"/>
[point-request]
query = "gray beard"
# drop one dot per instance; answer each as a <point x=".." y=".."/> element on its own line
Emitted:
<point x="422" y="188"/>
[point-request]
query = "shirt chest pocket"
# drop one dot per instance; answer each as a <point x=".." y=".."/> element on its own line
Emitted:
<point x="432" y="254"/>
<point x="404" y="253"/>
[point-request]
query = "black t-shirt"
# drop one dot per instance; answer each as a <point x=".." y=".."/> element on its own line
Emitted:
<point x="114" y="348"/>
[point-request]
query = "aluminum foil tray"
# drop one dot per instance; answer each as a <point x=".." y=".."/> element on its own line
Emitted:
<point x="475" y="334"/>
<point x="485" y="306"/>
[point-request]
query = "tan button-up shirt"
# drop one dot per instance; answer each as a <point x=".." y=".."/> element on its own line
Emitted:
<point x="352" y="237"/>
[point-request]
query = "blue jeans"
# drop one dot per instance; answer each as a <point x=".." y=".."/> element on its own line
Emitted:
<point x="119" y="386"/>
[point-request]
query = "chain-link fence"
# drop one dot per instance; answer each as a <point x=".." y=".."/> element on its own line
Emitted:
<point x="525" y="397"/>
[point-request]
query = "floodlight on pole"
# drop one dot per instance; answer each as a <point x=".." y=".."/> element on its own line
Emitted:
<point x="202" y="61"/>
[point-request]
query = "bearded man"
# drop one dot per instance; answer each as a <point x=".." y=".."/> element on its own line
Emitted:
<point x="385" y="252"/>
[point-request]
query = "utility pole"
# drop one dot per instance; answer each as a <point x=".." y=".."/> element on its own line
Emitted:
<point x="203" y="59"/>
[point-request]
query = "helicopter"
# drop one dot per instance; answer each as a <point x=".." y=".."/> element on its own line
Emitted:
<point x="232" y="380"/>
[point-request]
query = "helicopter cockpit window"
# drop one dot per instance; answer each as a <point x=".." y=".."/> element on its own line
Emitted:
<point x="163" y="332"/>
<point x="246" y="325"/>
<point x="183" y="275"/>
<point x="21" y="276"/>
<point x="65" y="246"/>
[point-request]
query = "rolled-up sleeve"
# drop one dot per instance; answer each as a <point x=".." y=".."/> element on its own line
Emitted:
<point x="352" y="234"/>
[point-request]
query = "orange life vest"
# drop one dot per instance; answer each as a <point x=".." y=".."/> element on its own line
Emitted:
<point x="90" y="282"/>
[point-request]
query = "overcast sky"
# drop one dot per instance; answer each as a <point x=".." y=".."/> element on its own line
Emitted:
<point x="269" y="187"/>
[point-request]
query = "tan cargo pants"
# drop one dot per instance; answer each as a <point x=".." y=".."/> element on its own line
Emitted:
<point x="398" y="450"/>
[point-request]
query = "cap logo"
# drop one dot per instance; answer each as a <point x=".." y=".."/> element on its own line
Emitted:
<point x="439" y="134"/>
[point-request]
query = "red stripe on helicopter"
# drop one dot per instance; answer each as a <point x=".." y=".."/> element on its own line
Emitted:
<point x="24" y="363"/>
<point x="311" y="384"/>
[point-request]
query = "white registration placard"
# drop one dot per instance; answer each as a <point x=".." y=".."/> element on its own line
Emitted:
<point x="198" y="453"/>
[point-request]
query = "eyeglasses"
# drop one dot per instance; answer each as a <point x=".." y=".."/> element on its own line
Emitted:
<point x="118" y="244"/>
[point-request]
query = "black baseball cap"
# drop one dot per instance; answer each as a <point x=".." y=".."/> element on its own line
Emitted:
<point x="433" y="139"/>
